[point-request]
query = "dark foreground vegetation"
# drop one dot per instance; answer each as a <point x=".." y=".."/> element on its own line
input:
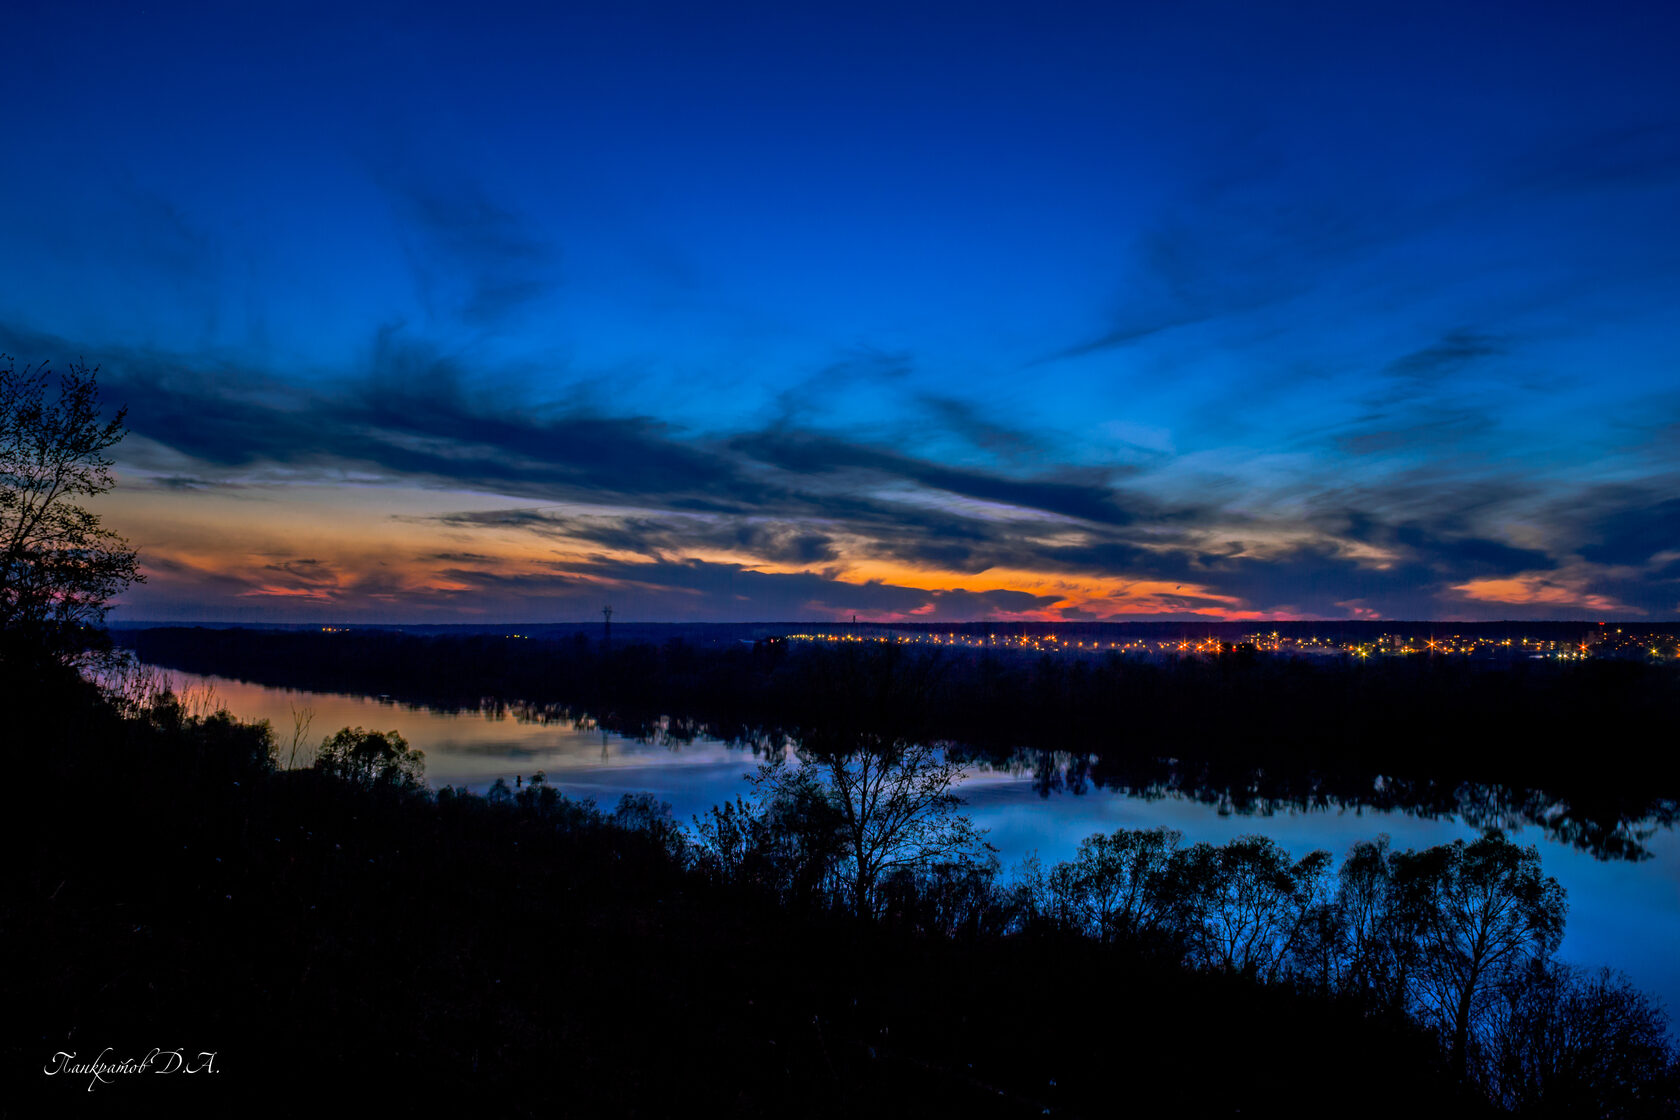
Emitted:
<point x="1496" y="744"/>
<point x="343" y="934"/>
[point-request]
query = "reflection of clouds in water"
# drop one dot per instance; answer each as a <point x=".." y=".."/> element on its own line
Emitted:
<point x="691" y="791"/>
<point x="510" y="751"/>
<point x="580" y="752"/>
<point x="584" y="746"/>
<point x="470" y="748"/>
<point x="1022" y="821"/>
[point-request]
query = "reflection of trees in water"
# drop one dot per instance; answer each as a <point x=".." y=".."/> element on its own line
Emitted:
<point x="1492" y="745"/>
<point x="1609" y="826"/>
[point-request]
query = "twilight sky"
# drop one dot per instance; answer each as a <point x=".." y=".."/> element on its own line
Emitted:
<point x="789" y="311"/>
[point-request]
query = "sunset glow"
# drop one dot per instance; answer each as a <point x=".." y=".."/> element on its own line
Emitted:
<point x="1106" y="315"/>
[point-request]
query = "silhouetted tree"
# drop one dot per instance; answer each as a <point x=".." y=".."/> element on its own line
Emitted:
<point x="1571" y="1042"/>
<point x="1360" y="942"/>
<point x="1481" y="914"/>
<point x="646" y="814"/>
<point x="803" y="844"/>
<point x="59" y="566"/>
<point x="1066" y="906"/>
<point x="1119" y="875"/>
<point x="894" y="807"/>
<point x="785" y="841"/>
<point x="1244" y="905"/>
<point x="372" y="760"/>
<point x="1029" y="893"/>
<point x="729" y="842"/>
<point x="950" y="898"/>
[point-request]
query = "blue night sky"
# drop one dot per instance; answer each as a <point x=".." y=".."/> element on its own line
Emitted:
<point x="790" y="311"/>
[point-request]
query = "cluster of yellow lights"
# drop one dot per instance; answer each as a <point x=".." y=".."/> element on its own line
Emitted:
<point x="1384" y="645"/>
<point x="1048" y="642"/>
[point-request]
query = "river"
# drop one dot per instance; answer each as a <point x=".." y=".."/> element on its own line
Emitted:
<point x="1621" y="913"/>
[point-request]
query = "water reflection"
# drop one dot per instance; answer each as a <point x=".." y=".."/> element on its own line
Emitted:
<point x="1609" y="827"/>
<point x="1624" y="910"/>
<point x="473" y="748"/>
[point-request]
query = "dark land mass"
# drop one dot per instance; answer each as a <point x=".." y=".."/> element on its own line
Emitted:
<point x="340" y="947"/>
<point x="716" y="634"/>
<point x="1580" y="749"/>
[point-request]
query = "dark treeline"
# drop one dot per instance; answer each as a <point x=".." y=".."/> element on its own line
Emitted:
<point x="1460" y="936"/>
<point x="344" y="933"/>
<point x="1499" y="744"/>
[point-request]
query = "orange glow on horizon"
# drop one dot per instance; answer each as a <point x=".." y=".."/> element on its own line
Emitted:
<point x="404" y="552"/>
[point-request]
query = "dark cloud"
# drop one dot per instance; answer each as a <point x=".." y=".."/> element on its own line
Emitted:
<point x="1232" y="247"/>
<point x="959" y="605"/>
<point x="1320" y="580"/>
<point x="868" y="364"/>
<point x="1449" y="355"/>
<point x="967" y="421"/>
<point x="1419" y="404"/>
<point x="1132" y="328"/>
<point x="856" y="368"/>
<point x="913" y="535"/>
<point x="1082" y="494"/>
<point x="671" y="535"/>
<point x="1446" y="542"/>
<point x="1424" y="558"/>
<point x="1235" y="245"/>
<point x="533" y="519"/>
<point x="1465" y="557"/>
<point x="1390" y="544"/>
<point x="1627" y="524"/>
<point x="690" y="589"/>
<point x="409" y="417"/>
<point x="1315" y="577"/>
<point x="733" y="591"/>
<point x="781" y="495"/>
<point x="796" y="498"/>
<point x="481" y="258"/>
<point x="181" y="482"/>
<point x="304" y="570"/>
<point x="164" y="242"/>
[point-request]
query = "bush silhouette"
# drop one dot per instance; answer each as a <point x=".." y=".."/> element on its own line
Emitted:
<point x="372" y="760"/>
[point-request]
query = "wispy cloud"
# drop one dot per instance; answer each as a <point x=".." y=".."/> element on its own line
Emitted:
<point x="787" y="520"/>
<point x="1451" y="354"/>
<point x="474" y="257"/>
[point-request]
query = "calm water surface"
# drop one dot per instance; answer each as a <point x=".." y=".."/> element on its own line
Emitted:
<point x="1623" y="914"/>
